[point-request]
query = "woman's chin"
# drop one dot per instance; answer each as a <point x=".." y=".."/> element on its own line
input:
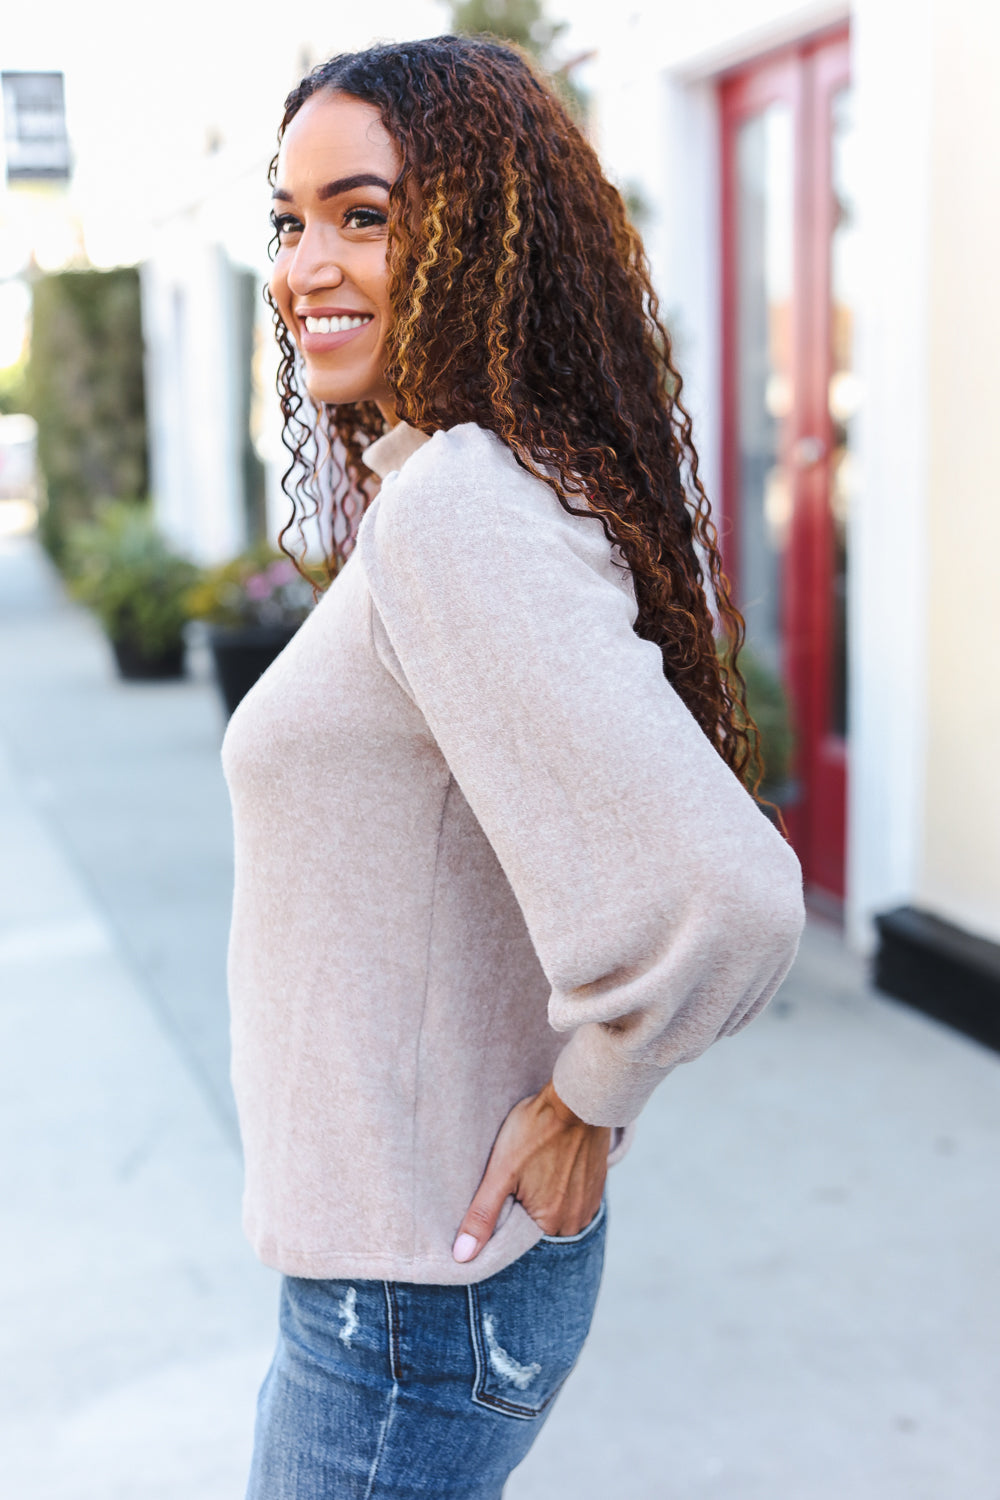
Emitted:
<point x="326" y="389"/>
<point x="331" y="392"/>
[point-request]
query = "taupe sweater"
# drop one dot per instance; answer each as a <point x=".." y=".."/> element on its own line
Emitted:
<point x="479" y="841"/>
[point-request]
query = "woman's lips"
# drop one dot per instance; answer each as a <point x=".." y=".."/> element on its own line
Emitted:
<point x="322" y="343"/>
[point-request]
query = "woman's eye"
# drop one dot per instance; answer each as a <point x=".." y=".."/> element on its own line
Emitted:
<point x="363" y="218"/>
<point x="285" y="224"/>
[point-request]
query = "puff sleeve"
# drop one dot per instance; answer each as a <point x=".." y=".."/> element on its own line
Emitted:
<point x="664" y="908"/>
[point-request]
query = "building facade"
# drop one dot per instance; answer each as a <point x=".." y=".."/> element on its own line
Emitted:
<point x="822" y="183"/>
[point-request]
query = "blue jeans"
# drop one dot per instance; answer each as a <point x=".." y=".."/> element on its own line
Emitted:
<point x="387" y="1390"/>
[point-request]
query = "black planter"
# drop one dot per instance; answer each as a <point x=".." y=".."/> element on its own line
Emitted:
<point x="242" y="654"/>
<point x="138" y="665"/>
<point x="941" y="969"/>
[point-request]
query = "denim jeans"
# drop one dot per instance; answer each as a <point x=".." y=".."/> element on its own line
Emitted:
<point x="383" y="1390"/>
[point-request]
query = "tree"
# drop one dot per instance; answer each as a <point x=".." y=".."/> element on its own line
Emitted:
<point x="520" y="21"/>
<point x="85" y="390"/>
<point x="525" y="23"/>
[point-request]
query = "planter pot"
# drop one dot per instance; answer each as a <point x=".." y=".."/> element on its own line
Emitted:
<point x="242" y="654"/>
<point x="138" y="665"/>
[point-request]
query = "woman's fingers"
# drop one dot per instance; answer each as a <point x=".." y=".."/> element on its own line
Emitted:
<point x="549" y="1159"/>
<point x="498" y="1182"/>
<point x="482" y="1214"/>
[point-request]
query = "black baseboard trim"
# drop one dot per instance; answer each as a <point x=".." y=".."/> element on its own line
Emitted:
<point x="942" y="970"/>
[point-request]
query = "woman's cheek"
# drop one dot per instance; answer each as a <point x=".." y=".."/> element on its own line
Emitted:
<point x="278" y="286"/>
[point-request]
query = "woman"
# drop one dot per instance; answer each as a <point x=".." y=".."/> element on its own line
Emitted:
<point x="496" y="869"/>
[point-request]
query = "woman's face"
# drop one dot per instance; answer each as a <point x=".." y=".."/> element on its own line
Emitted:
<point x="330" y="279"/>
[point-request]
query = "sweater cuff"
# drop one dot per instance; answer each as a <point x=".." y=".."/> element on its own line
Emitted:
<point x="600" y="1083"/>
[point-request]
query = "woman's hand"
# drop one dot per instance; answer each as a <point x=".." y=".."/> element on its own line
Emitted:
<point x="553" y="1163"/>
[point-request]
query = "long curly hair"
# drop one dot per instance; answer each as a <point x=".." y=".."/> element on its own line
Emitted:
<point x="523" y="302"/>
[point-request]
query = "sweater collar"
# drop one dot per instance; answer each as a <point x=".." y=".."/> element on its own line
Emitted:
<point x="391" y="451"/>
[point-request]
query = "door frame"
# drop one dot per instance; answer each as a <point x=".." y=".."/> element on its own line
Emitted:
<point x="804" y="75"/>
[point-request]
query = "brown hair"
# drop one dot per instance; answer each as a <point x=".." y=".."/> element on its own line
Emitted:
<point x="523" y="302"/>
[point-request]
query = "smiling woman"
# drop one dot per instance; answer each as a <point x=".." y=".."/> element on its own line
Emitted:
<point x="497" y="870"/>
<point x="330" y="282"/>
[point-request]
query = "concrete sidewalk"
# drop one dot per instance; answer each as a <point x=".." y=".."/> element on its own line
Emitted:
<point x="801" y="1299"/>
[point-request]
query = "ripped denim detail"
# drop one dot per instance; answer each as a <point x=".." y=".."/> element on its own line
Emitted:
<point x="528" y="1323"/>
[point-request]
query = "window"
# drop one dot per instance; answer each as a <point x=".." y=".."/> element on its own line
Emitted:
<point x="34" y="119"/>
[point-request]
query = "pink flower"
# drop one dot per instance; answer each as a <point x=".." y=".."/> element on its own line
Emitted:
<point x="281" y="571"/>
<point x="258" y="587"/>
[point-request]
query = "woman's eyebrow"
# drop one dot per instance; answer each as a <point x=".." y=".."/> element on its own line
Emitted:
<point x="341" y="185"/>
<point x="348" y="184"/>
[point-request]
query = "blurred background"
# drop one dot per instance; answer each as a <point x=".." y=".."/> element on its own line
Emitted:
<point x="803" y="1299"/>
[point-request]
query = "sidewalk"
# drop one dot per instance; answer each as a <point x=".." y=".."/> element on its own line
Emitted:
<point x="801" y="1299"/>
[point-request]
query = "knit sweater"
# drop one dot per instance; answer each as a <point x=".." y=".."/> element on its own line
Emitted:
<point x="480" y="841"/>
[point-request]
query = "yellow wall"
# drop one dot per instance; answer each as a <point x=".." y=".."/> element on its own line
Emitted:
<point x="960" y="874"/>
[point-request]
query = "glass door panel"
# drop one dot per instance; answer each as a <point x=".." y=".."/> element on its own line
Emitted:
<point x="764" y="257"/>
<point x="843" y="391"/>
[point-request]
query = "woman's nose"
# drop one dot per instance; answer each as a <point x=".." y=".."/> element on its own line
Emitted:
<point x="314" y="265"/>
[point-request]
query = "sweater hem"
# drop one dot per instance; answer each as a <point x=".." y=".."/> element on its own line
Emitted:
<point x="324" y="1265"/>
<point x="515" y="1237"/>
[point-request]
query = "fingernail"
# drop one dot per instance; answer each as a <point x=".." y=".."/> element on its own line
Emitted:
<point x="465" y="1247"/>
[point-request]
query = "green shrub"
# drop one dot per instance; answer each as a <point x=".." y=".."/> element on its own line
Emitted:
<point x="14" y="388"/>
<point x="85" y="390"/>
<point x="525" y="23"/>
<point x="767" y="702"/>
<point x="259" y="587"/>
<point x="119" y="566"/>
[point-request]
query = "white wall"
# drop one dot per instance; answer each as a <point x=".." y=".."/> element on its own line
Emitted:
<point x="924" y="823"/>
<point x="959" y="874"/>
<point x="888" y="530"/>
<point x="195" y="442"/>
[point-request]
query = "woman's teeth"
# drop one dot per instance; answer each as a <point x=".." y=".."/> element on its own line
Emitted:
<point x="334" y="325"/>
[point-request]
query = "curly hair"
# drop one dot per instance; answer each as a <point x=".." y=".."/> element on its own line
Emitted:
<point x="522" y="301"/>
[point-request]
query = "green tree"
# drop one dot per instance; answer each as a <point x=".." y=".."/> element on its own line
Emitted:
<point x="525" y="23"/>
<point x="520" y="21"/>
<point x="13" y="387"/>
<point x="85" y="389"/>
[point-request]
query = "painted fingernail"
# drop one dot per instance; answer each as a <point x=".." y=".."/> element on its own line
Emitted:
<point x="465" y="1247"/>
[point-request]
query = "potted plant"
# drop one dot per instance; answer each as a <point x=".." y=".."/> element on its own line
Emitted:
<point x="768" y="705"/>
<point x="120" y="566"/>
<point x="252" y="605"/>
<point x="769" y="708"/>
<point x="767" y="702"/>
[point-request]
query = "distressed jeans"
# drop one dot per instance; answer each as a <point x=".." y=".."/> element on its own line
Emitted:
<point x="388" y="1390"/>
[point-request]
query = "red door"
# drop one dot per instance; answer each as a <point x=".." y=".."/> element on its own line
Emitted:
<point x="789" y="394"/>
